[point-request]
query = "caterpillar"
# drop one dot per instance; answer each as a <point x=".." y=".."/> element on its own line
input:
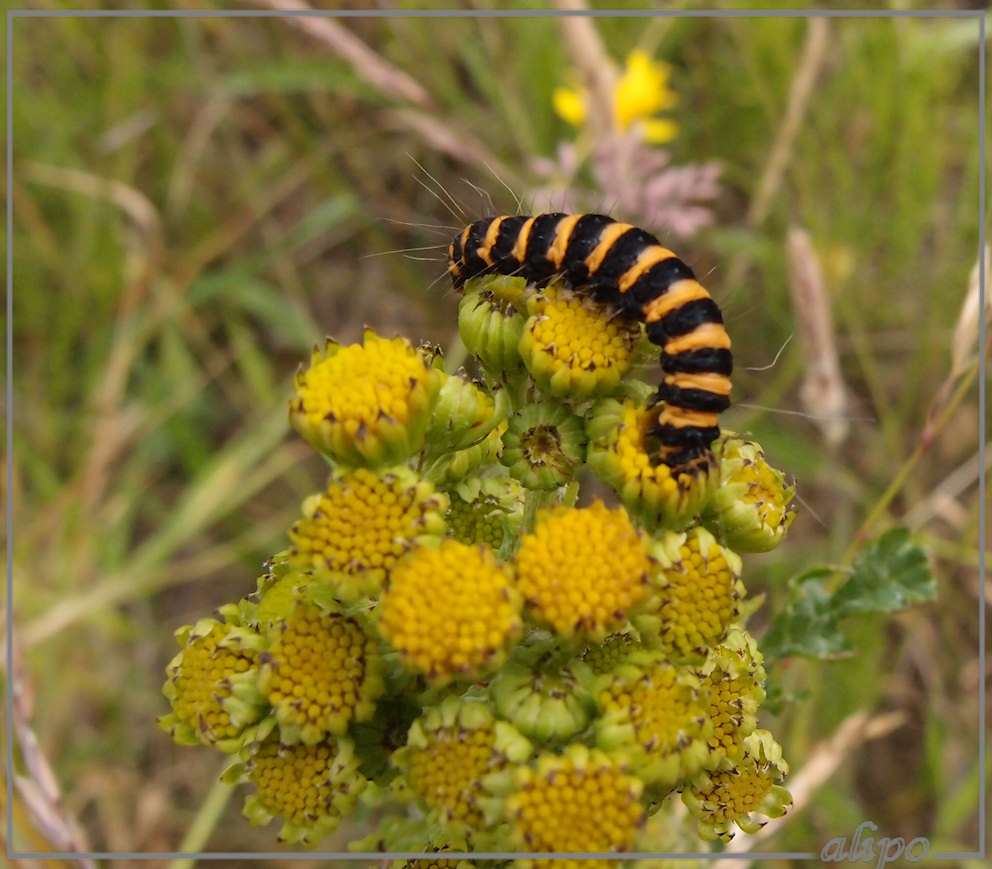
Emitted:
<point x="629" y="270"/>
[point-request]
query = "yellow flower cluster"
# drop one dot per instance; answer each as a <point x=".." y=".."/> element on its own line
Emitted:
<point x="451" y="639"/>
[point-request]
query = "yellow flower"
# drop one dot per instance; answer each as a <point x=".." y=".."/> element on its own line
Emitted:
<point x="654" y="717"/>
<point x="447" y="755"/>
<point x="579" y="800"/>
<point x="582" y="570"/>
<point x="736" y="791"/>
<point x="750" y="509"/>
<point x="573" y="347"/>
<point x="310" y="786"/>
<point x="450" y="611"/>
<point x="641" y="93"/>
<point x="620" y="455"/>
<point x="321" y="672"/>
<point x="205" y="682"/>
<point x="353" y="532"/>
<point x="735" y="677"/>
<point x="698" y="589"/>
<point x="365" y="404"/>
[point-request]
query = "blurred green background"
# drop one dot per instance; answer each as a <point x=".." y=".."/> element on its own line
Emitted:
<point x="198" y="200"/>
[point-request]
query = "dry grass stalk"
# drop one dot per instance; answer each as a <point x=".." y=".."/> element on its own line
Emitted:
<point x="822" y="393"/>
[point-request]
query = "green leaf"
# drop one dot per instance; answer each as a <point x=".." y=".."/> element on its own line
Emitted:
<point x="890" y="574"/>
<point x="807" y="625"/>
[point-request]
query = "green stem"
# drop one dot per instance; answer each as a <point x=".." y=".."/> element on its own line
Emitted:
<point x="204" y="823"/>
<point x="536" y="499"/>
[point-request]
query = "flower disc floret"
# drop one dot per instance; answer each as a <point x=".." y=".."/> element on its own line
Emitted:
<point x="575" y="348"/>
<point x="321" y="672"/>
<point x="621" y="455"/>
<point x="450" y="611"/>
<point x="582" y="570"/>
<point x="698" y="591"/>
<point x="365" y="404"/>
<point x="579" y="801"/>
<point x="310" y="786"/>
<point x="654" y="716"/>
<point x="353" y="533"/>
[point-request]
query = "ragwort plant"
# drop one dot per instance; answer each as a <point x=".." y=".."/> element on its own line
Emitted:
<point x="451" y="638"/>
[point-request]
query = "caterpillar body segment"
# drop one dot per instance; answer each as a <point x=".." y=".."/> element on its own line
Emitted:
<point x="629" y="270"/>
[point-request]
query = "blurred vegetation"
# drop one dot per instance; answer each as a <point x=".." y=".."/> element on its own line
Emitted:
<point x="198" y="200"/>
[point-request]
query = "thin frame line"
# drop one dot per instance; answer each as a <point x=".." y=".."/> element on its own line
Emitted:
<point x="629" y="855"/>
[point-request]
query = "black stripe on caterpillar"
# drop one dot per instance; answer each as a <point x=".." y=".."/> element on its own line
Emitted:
<point x="630" y="271"/>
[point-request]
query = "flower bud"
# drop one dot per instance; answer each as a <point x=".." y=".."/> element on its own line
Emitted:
<point x="749" y="509"/>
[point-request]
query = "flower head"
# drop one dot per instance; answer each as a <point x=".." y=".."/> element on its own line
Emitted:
<point x="734" y="678"/>
<point x="310" y="786"/>
<point x="698" y="588"/>
<point x="573" y="347"/>
<point x="583" y="570"/>
<point x="486" y="511"/>
<point x="465" y="413"/>
<point x="204" y="684"/>
<point x="365" y="404"/>
<point x="447" y="757"/>
<point x="491" y="327"/>
<point x="737" y="790"/>
<point x="654" y="716"/>
<point x="450" y="611"/>
<point x="750" y="508"/>
<point x="579" y="800"/>
<point x="543" y="706"/>
<point x="544" y="445"/>
<point x="353" y="532"/>
<point x="320" y="672"/>
<point x="621" y="456"/>
<point x="641" y="93"/>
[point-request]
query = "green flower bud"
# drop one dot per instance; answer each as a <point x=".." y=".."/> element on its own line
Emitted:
<point x="463" y="416"/>
<point x="749" y="509"/>
<point x="452" y="468"/>
<point x="542" y="706"/>
<point x="487" y="511"/>
<point x="490" y="327"/>
<point x="544" y="446"/>
<point x="365" y="405"/>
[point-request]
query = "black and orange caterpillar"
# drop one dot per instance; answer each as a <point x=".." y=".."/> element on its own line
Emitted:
<point x="627" y="269"/>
